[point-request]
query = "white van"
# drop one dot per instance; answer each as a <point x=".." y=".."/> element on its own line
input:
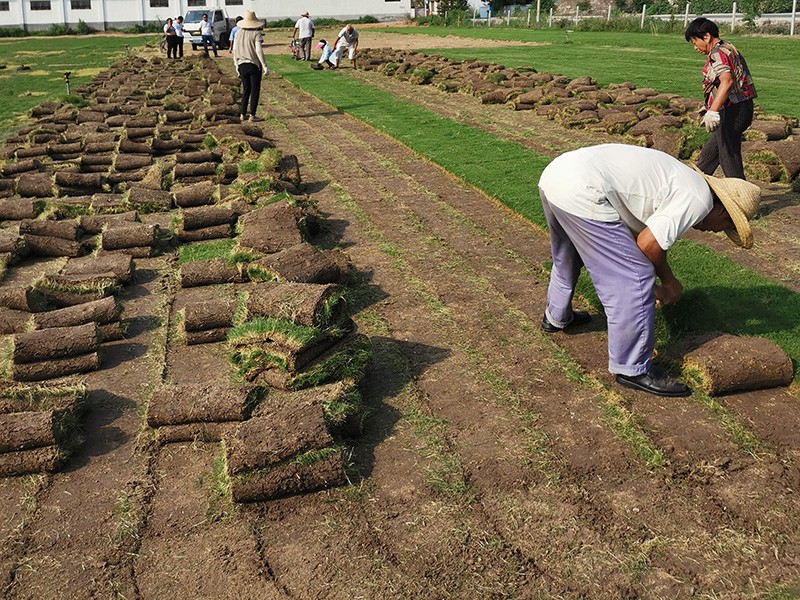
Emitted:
<point x="219" y="21"/>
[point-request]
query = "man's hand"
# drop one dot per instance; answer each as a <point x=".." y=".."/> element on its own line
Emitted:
<point x="670" y="292"/>
<point x="266" y="71"/>
<point x="711" y="120"/>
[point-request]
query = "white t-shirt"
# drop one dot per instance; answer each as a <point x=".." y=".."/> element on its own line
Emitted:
<point x="305" y="27"/>
<point x="347" y="39"/>
<point x="178" y="29"/>
<point x="639" y="186"/>
<point x="205" y="28"/>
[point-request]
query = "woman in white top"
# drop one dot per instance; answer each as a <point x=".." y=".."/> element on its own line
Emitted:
<point x="172" y="39"/>
<point x="248" y="56"/>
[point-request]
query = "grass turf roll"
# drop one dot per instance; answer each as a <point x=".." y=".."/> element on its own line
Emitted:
<point x="211" y="271"/>
<point x="271" y="228"/>
<point x="67" y="229"/>
<point x="45" y="245"/>
<point x="95" y="224"/>
<point x="120" y="266"/>
<point x="36" y="460"/>
<point x="58" y="367"/>
<point x="309" y="304"/>
<point x="57" y="342"/>
<point x="199" y="403"/>
<point x="102" y="311"/>
<point x="194" y="432"/>
<point x="14" y="209"/>
<point x="26" y="430"/>
<point x="129" y="236"/>
<point x="301" y="263"/>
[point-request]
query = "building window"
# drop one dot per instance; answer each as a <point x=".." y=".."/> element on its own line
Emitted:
<point x="40" y="4"/>
<point x="196" y="3"/>
<point x="159" y="3"/>
<point x="81" y="4"/>
<point x="234" y="2"/>
<point x="4" y="6"/>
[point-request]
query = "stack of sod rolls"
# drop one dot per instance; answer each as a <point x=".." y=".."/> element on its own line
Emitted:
<point x="55" y="352"/>
<point x="39" y="427"/>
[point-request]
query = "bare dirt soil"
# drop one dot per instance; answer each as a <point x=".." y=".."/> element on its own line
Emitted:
<point x="489" y="465"/>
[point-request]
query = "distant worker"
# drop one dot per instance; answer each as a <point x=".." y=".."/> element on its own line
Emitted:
<point x="207" y="33"/>
<point x="248" y="56"/>
<point x="347" y="38"/>
<point x="178" y="25"/>
<point x="304" y="31"/>
<point x="326" y="59"/>
<point x="233" y="34"/>
<point x="728" y="92"/>
<point x="617" y="210"/>
<point x="172" y="39"/>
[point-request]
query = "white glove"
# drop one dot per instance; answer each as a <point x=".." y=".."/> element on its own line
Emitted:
<point x="266" y="72"/>
<point x="711" y="120"/>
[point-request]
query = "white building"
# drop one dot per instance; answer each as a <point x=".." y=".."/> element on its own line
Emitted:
<point x="102" y="14"/>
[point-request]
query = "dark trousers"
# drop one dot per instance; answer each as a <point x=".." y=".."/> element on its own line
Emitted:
<point x="305" y="48"/>
<point x="724" y="147"/>
<point x="180" y="46"/>
<point x="172" y="46"/>
<point x="206" y="40"/>
<point x="250" y="75"/>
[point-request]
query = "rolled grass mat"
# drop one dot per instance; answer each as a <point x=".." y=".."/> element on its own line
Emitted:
<point x="25" y="397"/>
<point x="11" y="242"/>
<point x="271" y="228"/>
<point x="100" y="311"/>
<point x="147" y="200"/>
<point x="194" y="432"/>
<point x="66" y="229"/>
<point x="135" y="133"/>
<point x="105" y="148"/>
<point x="13" y="321"/>
<point x="199" y="403"/>
<point x="14" y="209"/>
<point x="26" y="430"/>
<point x="70" y="290"/>
<point x="306" y="473"/>
<point x="37" y="460"/>
<point x="207" y="336"/>
<point x="210" y="272"/>
<point x="301" y="263"/>
<point x="160" y="147"/>
<point x="129" y="236"/>
<point x="22" y="298"/>
<point x="135" y="252"/>
<point x="32" y="152"/>
<point x="214" y="232"/>
<point x="127" y="146"/>
<point x="21" y="166"/>
<point x="111" y="332"/>
<point x="45" y="245"/>
<point x="200" y="316"/>
<point x="200" y="156"/>
<point x="88" y="182"/>
<point x="69" y="206"/>
<point x="108" y="203"/>
<point x="264" y="442"/>
<point x="58" y="367"/>
<point x="37" y="185"/>
<point x="309" y="304"/>
<point x="178" y="116"/>
<point x="196" y="194"/>
<point x="57" y="342"/>
<point x="131" y="162"/>
<point x="206" y="216"/>
<point x="120" y="266"/>
<point x="94" y="224"/>
<point x="206" y="169"/>
<point x="730" y="363"/>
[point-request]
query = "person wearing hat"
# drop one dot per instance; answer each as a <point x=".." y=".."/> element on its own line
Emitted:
<point x="617" y="209"/>
<point x="326" y="59"/>
<point x="347" y="38"/>
<point x="248" y="56"/>
<point x="304" y="29"/>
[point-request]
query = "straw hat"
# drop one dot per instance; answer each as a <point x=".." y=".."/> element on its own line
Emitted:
<point x="305" y="14"/>
<point x="741" y="199"/>
<point x="250" y="21"/>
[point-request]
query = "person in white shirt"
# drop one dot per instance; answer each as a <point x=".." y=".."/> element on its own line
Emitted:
<point x="347" y="38"/>
<point x="207" y="33"/>
<point x="172" y="39"/>
<point x="617" y="209"/>
<point x="304" y="31"/>
<point x="178" y="25"/>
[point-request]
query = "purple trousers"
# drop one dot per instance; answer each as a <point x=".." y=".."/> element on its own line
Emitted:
<point x="622" y="275"/>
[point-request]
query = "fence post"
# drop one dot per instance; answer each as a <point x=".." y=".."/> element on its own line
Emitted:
<point x="794" y="16"/>
<point x="733" y="17"/>
<point x="608" y="18"/>
<point x="644" y="9"/>
<point x="550" y="19"/>
<point x="539" y="11"/>
<point x="508" y="17"/>
<point x="577" y="12"/>
<point x="529" y="17"/>
<point x="489" y="17"/>
<point x="686" y="16"/>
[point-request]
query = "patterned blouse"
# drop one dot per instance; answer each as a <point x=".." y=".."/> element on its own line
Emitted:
<point x="725" y="58"/>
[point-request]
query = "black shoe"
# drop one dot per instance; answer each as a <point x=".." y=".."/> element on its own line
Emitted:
<point x="655" y="382"/>
<point x="579" y="317"/>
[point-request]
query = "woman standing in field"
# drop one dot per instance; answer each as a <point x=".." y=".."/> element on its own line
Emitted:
<point x="172" y="39"/>
<point x="248" y="56"/>
<point x="728" y="92"/>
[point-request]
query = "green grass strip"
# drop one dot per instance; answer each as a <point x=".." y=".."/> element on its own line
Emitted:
<point x="719" y="294"/>
<point x="206" y="250"/>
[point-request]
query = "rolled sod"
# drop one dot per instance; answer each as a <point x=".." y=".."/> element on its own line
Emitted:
<point x="89" y="182"/>
<point x="194" y="432"/>
<point x="32" y="152"/>
<point x="264" y="442"/>
<point x="15" y="209"/>
<point x="289" y="479"/>
<point x="65" y="150"/>
<point x="119" y="265"/>
<point x="21" y="166"/>
<point x="206" y="216"/>
<point x="57" y="342"/>
<point x="200" y="156"/>
<point x="28" y="298"/>
<point x="26" y="430"/>
<point x="111" y="332"/>
<point x="730" y="363"/>
<point x="131" y="162"/>
<point x="127" y="146"/>
<point x="301" y="263"/>
<point x="215" y="232"/>
<point x="11" y="242"/>
<point x="37" y="185"/>
<point x="13" y="321"/>
<point x="271" y="228"/>
<point x="160" y="147"/>
<point x="67" y="229"/>
<point x="100" y="311"/>
<point x="210" y="272"/>
<point x="135" y="252"/>
<point x="25" y="397"/>
<point x="206" y="169"/>
<point x="199" y="316"/>
<point x="106" y="147"/>
<point x="58" y="367"/>
<point x="148" y="200"/>
<point x="37" y="460"/>
<point x="129" y="236"/>
<point x="69" y="290"/>
<point x="94" y="224"/>
<point x="45" y="245"/>
<point x="199" y="403"/>
<point x="207" y="336"/>
<point x="196" y="194"/>
<point x="309" y="304"/>
<point x="108" y="203"/>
